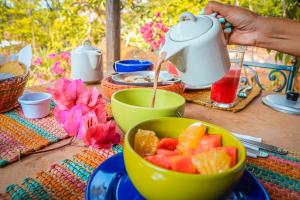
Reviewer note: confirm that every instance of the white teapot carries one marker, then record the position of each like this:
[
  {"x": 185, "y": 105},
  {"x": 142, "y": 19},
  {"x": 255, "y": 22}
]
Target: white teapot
[
  {"x": 197, "y": 47},
  {"x": 86, "y": 62}
]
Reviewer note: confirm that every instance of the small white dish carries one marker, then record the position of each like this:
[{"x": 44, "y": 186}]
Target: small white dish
[{"x": 35, "y": 104}]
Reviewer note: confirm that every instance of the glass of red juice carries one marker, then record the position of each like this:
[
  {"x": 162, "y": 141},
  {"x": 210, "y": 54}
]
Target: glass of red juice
[{"x": 224, "y": 91}]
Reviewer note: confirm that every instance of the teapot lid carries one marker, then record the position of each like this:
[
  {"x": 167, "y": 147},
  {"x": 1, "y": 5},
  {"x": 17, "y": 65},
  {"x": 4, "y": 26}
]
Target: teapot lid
[
  {"x": 86, "y": 46},
  {"x": 190, "y": 27}
]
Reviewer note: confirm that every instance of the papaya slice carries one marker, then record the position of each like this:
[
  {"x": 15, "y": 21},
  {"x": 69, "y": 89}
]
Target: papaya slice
[
  {"x": 182, "y": 163},
  {"x": 189, "y": 139}
]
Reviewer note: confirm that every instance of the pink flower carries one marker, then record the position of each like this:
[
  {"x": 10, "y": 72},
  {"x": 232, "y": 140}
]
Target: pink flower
[
  {"x": 90, "y": 98},
  {"x": 65, "y": 56},
  {"x": 89, "y": 120},
  {"x": 83, "y": 114},
  {"x": 162, "y": 40},
  {"x": 73, "y": 121},
  {"x": 66, "y": 92},
  {"x": 158, "y": 25},
  {"x": 155, "y": 45},
  {"x": 37, "y": 61},
  {"x": 164, "y": 28},
  {"x": 154, "y": 32},
  {"x": 142, "y": 30},
  {"x": 77, "y": 120},
  {"x": 60, "y": 115},
  {"x": 101, "y": 114},
  {"x": 102, "y": 135},
  {"x": 52, "y": 55},
  {"x": 148, "y": 35},
  {"x": 56, "y": 69},
  {"x": 41, "y": 81}
]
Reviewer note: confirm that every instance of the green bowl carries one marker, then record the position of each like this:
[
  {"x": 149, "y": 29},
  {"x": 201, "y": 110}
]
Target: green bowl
[
  {"x": 154, "y": 182},
  {"x": 132, "y": 106}
]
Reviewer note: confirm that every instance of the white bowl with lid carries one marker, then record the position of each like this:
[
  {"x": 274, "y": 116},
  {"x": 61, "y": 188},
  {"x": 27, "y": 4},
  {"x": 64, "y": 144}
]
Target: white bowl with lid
[{"x": 35, "y": 104}]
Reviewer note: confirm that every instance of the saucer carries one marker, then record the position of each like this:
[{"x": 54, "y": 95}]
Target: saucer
[
  {"x": 203, "y": 87},
  {"x": 110, "y": 181},
  {"x": 164, "y": 76}
]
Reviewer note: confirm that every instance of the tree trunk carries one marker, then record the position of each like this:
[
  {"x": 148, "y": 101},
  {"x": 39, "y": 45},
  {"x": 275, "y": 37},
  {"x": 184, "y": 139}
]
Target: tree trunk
[
  {"x": 112, "y": 32},
  {"x": 29, "y": 14},
  {"x": 283, "y": 8},
  {"x": 236, "y": 2},
  {"x": 250, "y": 5}
]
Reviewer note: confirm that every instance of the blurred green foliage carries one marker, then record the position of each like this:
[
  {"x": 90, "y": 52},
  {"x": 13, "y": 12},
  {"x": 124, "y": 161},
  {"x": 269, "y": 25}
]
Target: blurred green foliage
[
  {"x": 50, "y": 24},
  {"x": 61, "y": 25}
]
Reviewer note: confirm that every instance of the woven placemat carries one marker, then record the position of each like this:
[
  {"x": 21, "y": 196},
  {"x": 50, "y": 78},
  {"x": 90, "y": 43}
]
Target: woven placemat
[
  {"x": 67, "y": 180},
  {"x": 202, "y": 97},
  {"x": 20, "y": 135}
]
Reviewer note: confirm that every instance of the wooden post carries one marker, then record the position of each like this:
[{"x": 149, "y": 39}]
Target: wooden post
[{"x": 112, "y": 32}]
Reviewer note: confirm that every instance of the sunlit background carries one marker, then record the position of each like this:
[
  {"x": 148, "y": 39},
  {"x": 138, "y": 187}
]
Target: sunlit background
[{"x": 55, "y": 27}]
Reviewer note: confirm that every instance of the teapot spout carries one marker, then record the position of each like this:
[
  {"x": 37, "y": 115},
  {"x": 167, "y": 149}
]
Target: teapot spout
[
  {"x": 94, "y": 58},
  {"x": 171, "y": 48}
]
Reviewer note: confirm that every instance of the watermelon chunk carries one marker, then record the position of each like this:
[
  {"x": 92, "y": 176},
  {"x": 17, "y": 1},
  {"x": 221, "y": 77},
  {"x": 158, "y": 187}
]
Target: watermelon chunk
[
  {"x": 168, "y": 143},
  {"x": 232, "y": 152},
  {"x": 211, "y": 141},
  {"x": 182, "y": 163},
  {"x": 159, "y": 160},
  {"x": 208, "y": 142},
  {"x": 164, "y": 152}
]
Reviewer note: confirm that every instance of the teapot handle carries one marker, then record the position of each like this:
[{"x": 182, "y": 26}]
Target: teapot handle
[
  {"x": 86, "y": 42},
  {"x": 214, "y": 14},
  {"x": 187, "y": 16},
  {"x": 202, "y": 12}
]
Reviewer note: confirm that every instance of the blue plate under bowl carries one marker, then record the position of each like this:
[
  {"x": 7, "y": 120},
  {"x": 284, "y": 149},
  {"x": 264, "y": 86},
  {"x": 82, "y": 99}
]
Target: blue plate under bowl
[
  {"x": 132, "y": 65},
  {"x": 110, "y": 181}
]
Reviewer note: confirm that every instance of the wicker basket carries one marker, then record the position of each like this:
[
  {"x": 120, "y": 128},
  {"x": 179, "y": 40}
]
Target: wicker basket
[
  {"x": 108, "y": 87},
  {"x": 10, "y": 90}
]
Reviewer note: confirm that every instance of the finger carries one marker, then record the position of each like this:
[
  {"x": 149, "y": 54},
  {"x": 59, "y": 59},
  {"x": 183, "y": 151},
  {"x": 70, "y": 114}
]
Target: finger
[
  {"x": 227, "y": 36},
  {"x": 228, "y": 30},
  {"x": 213, "y": 6}
]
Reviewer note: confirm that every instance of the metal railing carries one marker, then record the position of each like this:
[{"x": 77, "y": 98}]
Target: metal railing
[{"x": 287, "y": 80}]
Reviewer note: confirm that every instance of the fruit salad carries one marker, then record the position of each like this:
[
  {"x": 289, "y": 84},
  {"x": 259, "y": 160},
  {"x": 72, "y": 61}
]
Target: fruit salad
[{"x": 194, "y": 151}]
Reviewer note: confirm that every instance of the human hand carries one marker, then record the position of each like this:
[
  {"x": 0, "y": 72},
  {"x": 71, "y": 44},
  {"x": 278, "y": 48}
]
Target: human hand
[{"x": 244, "y": 22}]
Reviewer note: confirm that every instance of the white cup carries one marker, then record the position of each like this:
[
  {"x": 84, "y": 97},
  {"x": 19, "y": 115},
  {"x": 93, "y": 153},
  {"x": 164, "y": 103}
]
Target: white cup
[{"x": 35, "y": 105}]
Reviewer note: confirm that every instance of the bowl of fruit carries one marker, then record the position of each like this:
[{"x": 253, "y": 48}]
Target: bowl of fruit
[{"x": 180, "y": 158}]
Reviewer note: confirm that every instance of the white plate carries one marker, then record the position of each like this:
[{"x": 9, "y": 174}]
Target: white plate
[{"x": 164, "y": 76}]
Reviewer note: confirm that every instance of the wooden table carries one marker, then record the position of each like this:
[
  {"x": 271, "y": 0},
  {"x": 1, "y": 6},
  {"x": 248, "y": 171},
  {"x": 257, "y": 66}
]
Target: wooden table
[{"x": 258, "y": 120}]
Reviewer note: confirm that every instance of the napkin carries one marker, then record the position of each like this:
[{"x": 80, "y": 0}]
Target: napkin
[
  {"x": 247, "y": 137},
  {"x": 252, "y": 150},
  {"x": 24, "y": 56}
]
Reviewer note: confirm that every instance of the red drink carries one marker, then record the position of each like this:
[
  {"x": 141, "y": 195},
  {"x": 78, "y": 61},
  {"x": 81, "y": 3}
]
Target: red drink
[{"x": 224, "y": 91}]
